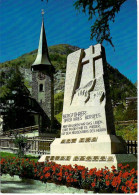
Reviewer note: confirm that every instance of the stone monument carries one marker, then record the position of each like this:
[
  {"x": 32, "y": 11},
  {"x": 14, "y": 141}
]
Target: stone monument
[{"x": 88, "y": 133}]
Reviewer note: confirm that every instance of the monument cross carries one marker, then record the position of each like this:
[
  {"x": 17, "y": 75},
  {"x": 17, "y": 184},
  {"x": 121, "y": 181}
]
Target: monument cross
[
  {"x": 85, "y": 75},
  {"x": 94, "y": 55}
]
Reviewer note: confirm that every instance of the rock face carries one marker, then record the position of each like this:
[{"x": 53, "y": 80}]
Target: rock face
[{"x": 87, "y": 134}]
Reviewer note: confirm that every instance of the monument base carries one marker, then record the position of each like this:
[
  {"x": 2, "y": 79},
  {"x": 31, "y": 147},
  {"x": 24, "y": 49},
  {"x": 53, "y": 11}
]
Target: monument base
[
  {"x": 93, "y": 161},
  {"x": 96, "y": 151}
]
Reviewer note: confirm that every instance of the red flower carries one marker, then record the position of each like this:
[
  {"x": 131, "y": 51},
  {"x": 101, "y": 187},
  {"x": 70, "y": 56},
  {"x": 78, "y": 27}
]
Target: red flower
[
  {"x": 92, "y": 171},
  {"x": 116, "y": 181},
  {"x": 99, "y": 173},
  {"x": 111, "y": 175},
  {"x": 60, "y": 174},
  {"x": 93, "y": 184},
  {"x": 59, "y": 178},
  {"x": 66, "y": 173},
  {"x": 68, "y": 180},
  {"x": 132, "y": 171},
  {"x": 35, "y": 170},
  {"x": 71, "y": 180},
  {"x": 113, "y": 167},
  {"x": 41, "y": 177},
  {"x": 125, "y": 175},
  {"x": 83, "y": 176},
  {"x": 127, "y": 165},
  {"x": 75, "y": 180},
  {"x": 107, "y": 183},
  {"x": 105, "y": 172},
  {"x": 80, "y": 168},
  {"x": 124, "y": 189},
  {"x": 47, "y": 175},
  {"x": 119, "y": 165},
  {"x": 128, "y": 183},
  {"x": 107, "y": 177}
]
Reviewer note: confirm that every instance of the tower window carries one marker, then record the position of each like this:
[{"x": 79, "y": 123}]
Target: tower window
[{"x": 41, "y": 87}]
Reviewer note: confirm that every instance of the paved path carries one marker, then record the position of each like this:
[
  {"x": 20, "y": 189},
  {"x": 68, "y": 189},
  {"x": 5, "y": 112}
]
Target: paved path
[{"x": 28, "y": 186}]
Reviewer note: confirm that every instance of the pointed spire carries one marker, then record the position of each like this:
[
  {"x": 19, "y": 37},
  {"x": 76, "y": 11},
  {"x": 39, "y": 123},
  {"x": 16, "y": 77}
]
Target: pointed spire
[{"x": 42, "y": 60}]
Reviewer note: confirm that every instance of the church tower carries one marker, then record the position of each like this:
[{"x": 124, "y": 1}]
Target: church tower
[{"x": 43, "y": 82}]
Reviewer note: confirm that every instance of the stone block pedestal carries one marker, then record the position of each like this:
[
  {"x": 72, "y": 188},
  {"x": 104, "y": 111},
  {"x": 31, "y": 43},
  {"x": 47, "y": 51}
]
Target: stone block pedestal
[{"x": 95, "y": 151}]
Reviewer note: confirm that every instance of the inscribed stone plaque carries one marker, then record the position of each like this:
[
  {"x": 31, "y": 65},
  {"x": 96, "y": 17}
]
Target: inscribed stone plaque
[{"x": 87, "y": 106}]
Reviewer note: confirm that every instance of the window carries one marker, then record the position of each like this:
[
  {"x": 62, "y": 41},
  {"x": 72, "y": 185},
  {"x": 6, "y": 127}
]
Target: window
[{"x": 41, "y": 87}]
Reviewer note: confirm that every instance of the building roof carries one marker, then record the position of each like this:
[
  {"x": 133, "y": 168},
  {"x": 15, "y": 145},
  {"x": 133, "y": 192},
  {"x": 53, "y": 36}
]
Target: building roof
[{"x": 42, "y": 60}]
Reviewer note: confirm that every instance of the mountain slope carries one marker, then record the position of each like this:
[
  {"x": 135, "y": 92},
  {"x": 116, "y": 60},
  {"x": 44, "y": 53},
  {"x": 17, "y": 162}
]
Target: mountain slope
[
  {"x": 58, "y": 55},
  {"x": 120, "y": 86}
]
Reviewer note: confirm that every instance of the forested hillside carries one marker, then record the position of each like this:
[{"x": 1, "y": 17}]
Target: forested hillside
[{"x": 120, "y": 86}]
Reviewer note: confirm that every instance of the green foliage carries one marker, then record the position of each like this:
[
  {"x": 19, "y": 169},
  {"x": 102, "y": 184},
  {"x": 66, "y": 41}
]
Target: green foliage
[
  {"x": 104, "y": 12},
  {"x": 8, "y": 154},
  {"x": 59, "y": 117},
  {"x": 120, "y": 86},
  {"x": 119, "y": 113},
  {"x": 127, "y": 132},
  {"x": 58, "y": 61},
  {"x": 26, "y": 83},
  {"x": 14, "y": 100},
  {"x": 131, "y": 112},
  {"x": 58, "y": 102},
  {"x": 22, "y": 145}
]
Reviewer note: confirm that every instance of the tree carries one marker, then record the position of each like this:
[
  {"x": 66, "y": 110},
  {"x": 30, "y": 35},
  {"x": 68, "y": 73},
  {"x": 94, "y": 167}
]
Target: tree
[
  {"x": 131, "y": 112},
  {"x": 22, "y": 145},
  {"x": 102, "y": 11},
  {"x": 14, "y": 100}
]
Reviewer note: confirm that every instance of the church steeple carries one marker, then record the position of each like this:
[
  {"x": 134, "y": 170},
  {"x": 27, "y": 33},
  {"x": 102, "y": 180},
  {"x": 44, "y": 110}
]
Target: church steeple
[
  {"x": 42, "y": 60},
  {"x": 43, "y": 83}
]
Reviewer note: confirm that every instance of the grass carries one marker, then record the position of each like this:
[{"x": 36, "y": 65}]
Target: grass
[{"x": 8, "y": 154}]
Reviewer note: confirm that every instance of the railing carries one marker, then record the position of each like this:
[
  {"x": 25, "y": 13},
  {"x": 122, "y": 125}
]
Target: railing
[
  {"x": 131, "y": 147},
  {"x": 37, "y": 146},
  {"x": 22, "y": 130}
]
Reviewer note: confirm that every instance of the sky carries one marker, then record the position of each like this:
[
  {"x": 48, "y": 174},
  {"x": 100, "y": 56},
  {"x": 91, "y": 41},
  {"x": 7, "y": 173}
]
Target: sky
[{"x": 20, "y": 23}]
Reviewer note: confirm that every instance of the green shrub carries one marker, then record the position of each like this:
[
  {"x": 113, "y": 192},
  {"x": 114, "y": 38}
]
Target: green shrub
[{"x": 22, "y": 145}]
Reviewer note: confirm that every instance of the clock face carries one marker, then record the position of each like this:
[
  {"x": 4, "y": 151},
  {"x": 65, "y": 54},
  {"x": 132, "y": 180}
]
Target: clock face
[{"x": 41, "y": 76}]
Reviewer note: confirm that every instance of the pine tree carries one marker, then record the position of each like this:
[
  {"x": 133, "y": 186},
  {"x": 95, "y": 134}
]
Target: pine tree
[{"x": 14, "y": 100}]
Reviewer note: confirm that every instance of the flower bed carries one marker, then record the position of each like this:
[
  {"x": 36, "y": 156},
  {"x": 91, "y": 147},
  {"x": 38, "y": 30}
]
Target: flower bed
[{"x": 103, "y": 180}]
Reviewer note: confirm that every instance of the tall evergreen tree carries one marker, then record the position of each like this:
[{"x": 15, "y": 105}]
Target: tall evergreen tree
[{"x": 14, "y": 100}]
